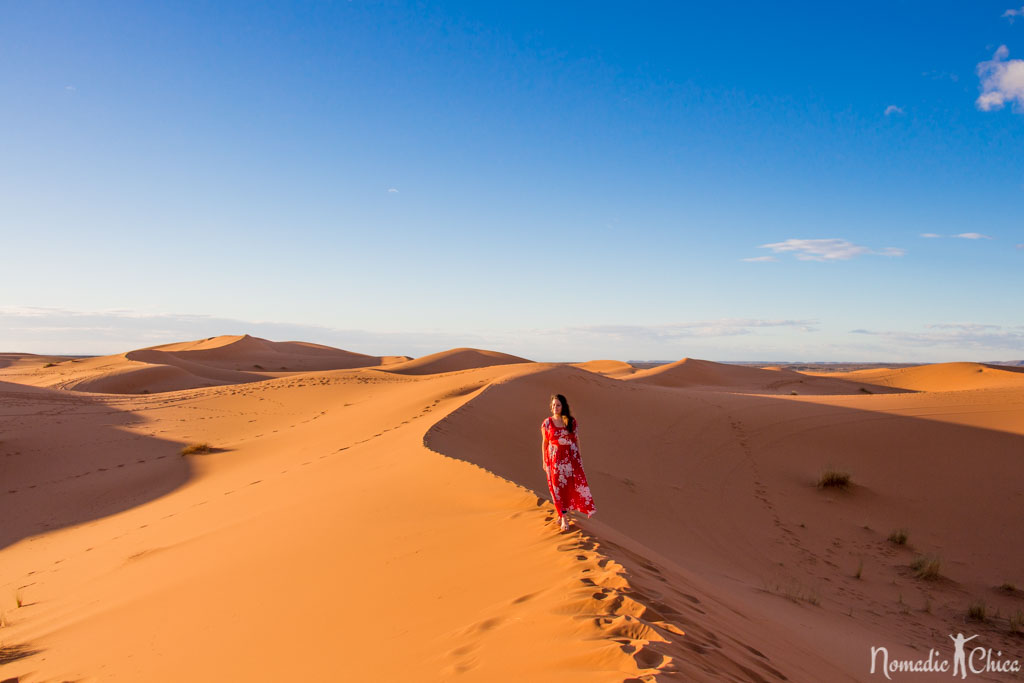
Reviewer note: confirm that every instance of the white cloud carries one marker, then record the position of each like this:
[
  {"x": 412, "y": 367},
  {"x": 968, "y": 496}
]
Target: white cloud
[
  {"x": 391, "y": 189},
  {"x": 69, "y": 88},
  {"x": 963, "y": 235},
  {"x": 725, "y": 327},
  {"x": 1012, "y": 14},
  {"x": 893, "y": 109},
  {"x": 28, "y": 329},
  {"x": 972, "y": 336},
  {"x": 968, "y": 327},
  {"x": 63, "y": 331},
  {"x": 760, "y": 258},
  {"x": 1001, "y": 82},
  {"x": 828, "y": 249}
]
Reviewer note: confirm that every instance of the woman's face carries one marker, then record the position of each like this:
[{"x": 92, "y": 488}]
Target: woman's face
[{"x": 556, "y": 407}]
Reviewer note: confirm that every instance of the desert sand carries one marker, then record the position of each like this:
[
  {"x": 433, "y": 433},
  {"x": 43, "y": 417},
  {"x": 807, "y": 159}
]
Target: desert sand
[{"x": 384, "y": 518}]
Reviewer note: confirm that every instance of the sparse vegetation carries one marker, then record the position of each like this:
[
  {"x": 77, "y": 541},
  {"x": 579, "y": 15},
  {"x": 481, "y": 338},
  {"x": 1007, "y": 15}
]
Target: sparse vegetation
[
  {"x": 976, "y": 611},
  {"x": 196, "y": 448},
  {"x": 1017, "y": 623},
  {"x": 833, "y": 478},
  {"x": 793, "y": 590},
  {"x": 18, "y": 600},
  {"x": 904, "y": 607},
  {"x": 793, "y": 393},
  {"x": 258, "y": 367},
  {"x": 1008, "y": 587},
  {"x": 860, "y": 569},
  {"x": 927, "y": 567},
  {"x": 49, "y": 365},
  {"x": 898, "y": 536},
  {"x": 866, "y": 390}
]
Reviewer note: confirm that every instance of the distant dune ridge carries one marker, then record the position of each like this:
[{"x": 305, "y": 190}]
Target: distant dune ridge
[
  {"x": 385, "y": 518},
  {"x": 693, "y": 372},
  {"x": 453, "y": 360},
  {"x": 227, "y": 359},
  {"x": 938, "y": 377},
  {"x": 610, "y": 368}
]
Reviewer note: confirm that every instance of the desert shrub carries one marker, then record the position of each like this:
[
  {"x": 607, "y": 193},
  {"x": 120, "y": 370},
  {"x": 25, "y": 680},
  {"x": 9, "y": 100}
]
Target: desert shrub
[
  {"x": 831, "y": 477},
  {"x": 898, "y": 536},
  {"x": 927, "y": 566}
]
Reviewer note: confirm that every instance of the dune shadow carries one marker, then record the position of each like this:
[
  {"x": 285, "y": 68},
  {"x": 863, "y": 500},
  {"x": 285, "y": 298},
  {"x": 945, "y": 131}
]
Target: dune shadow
[{"x": 65, "y": 459}]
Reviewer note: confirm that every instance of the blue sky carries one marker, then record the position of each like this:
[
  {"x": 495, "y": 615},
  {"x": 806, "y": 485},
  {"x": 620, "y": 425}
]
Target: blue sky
[{"x": 562, "y": 181}]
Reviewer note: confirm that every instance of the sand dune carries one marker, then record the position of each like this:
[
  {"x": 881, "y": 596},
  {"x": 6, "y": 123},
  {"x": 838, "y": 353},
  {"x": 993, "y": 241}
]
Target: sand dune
[
  {"x": 693, "y": 372},
  {"x": 244, "y": 352},
  {"x": 610, "y": 368},
  {"x": 938, "y": 377},
  {"x": 364, "y": 524},
  {"x": 454, "y": 360},
  {"x": 228, "y": 359}
]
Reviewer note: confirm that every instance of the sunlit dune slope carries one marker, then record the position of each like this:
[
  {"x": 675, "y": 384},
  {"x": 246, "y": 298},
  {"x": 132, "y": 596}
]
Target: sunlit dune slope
[
  {"x": 694, "y": 372},
  {"x": 938, "y": 377},
  {"x": 609, "y": 368},
  {"x": 188, "y": 365},
  {"x": 725, "y": 485},
  {"x": 397, "y": 525},
  {"x": 319, "y": 540},
  {"x": 453, "y": 360}
]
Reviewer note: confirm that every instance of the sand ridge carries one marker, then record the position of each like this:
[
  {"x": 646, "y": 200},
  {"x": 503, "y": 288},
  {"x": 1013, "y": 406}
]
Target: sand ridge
[
  {"x": 939, "y": 377},
  {"x": 226, "y": 359},
  {"x": 454, "y": 360},
  {"x": 694, "y": 373}
]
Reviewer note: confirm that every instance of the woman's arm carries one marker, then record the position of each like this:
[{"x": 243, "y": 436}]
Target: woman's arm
[{"x": 543, "y": 449}]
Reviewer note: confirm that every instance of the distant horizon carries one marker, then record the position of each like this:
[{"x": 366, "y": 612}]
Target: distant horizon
[{"x": 631, "y": 361}]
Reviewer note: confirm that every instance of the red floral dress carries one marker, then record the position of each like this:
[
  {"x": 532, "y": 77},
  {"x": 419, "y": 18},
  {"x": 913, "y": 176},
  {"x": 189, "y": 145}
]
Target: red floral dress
[{"x": 566, "y": 480}]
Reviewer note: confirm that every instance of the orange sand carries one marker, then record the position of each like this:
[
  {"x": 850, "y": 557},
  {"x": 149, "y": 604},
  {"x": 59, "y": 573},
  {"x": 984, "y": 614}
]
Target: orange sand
[{"x": 391, "y": 521}]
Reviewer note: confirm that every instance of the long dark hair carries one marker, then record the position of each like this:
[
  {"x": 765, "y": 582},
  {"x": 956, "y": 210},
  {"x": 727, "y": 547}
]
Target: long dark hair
[{"x": 570, "y": 421}]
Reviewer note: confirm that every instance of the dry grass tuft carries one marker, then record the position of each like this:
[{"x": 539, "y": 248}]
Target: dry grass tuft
[
  {"x": 927, "y": 567},
  {"x": 793, "y": 590},
  {"x": 976, "y": 611},
  {"x": 898, "y": 536},
  {"x": 1017, "y": 623},
  {"x": 831, "y": 477},
  {"x": 196, "y": 448}
]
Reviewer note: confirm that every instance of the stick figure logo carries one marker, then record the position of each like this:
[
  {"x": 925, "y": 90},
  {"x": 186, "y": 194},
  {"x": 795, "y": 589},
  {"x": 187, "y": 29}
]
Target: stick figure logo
[{"x": 959, "y": 661}]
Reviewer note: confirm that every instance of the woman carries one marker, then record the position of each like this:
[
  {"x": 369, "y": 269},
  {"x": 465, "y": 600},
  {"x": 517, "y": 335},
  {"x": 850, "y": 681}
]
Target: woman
[{"x": 560, "y": 457}]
